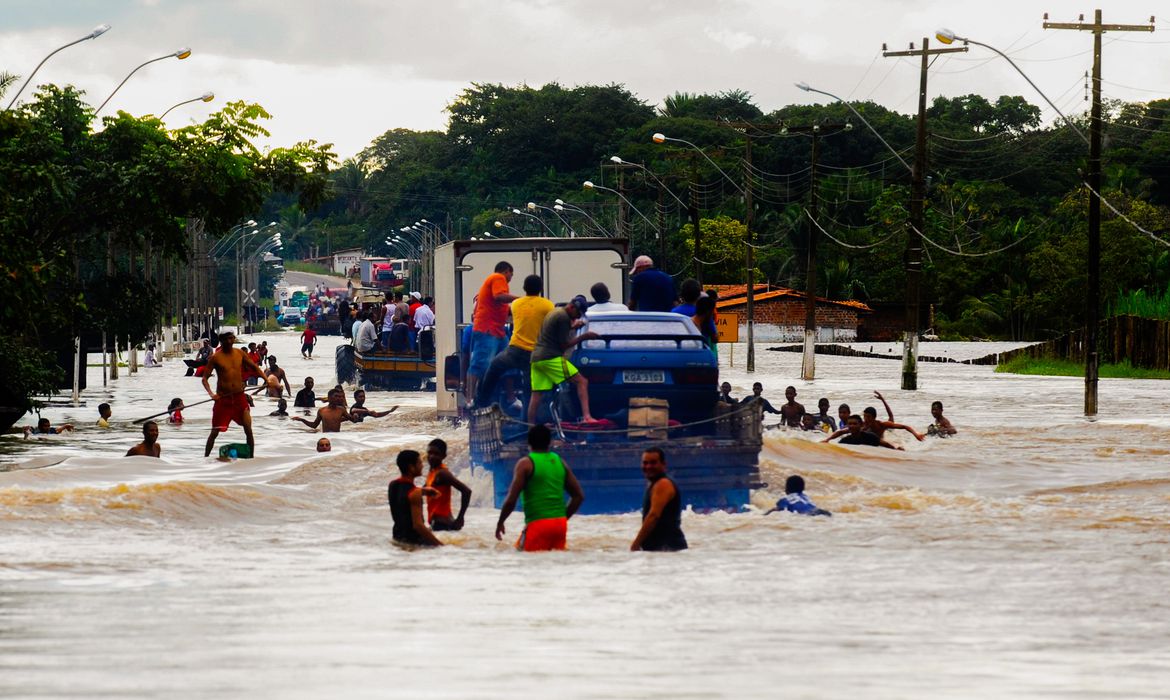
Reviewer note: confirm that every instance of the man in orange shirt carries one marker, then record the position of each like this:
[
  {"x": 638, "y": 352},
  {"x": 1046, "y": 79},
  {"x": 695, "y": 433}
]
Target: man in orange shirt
[
  {"x": 487, "y": 324},
  {"x": 528, "y": 313}
]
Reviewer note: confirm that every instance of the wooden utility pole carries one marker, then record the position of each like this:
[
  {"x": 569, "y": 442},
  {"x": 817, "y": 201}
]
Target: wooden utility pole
[
  {"x": 748, "y": 221},
  {"x": 913, "y": 254},
  {"x": 1093, "y": 293}
]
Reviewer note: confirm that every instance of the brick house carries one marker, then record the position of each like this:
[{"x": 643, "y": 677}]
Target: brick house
[{"x": 779, "y": 314}]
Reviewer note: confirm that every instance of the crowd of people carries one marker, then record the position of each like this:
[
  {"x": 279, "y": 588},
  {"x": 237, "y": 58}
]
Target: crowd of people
[
  {"x": 551, "y": 494},
  {"x": 395, "y": 325},
  {"x": 543, "y": 333},
  {"x": 848, "y": 428}
]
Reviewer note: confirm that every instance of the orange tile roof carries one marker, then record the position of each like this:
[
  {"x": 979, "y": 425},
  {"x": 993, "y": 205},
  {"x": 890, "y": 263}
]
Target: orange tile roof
[{"x": 792, "y": 293}]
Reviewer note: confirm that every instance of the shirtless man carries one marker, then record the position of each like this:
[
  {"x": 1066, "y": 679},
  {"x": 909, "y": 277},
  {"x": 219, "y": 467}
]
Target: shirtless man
[
  {"x": 870, "y": 424},
  {"x": 273, "y": 379},
  {"x": 359, "y": 411},
  {"x": 149, "y": 446},
  {"x": 330, "y": 417},
  {"x": 791, "y": 411},
  {"x": 231, "y": 404},
  {"x": 853, "y": 434}
]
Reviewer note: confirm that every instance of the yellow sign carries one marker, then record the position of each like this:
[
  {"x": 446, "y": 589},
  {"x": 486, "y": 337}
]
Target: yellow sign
[{"x": 727, "y": 326}]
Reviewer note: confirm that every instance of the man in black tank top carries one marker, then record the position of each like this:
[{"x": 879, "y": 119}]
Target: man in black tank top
[
  {"x": 661, "y": 508},
  {"x": 406, "y": 503}
]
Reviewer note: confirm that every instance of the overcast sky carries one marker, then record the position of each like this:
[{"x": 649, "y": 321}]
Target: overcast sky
[{"x": 345, "y": 71}]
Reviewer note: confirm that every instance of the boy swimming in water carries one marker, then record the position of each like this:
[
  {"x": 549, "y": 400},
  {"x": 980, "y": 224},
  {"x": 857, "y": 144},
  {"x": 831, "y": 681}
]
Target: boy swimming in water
[
  {"x": 941, "y": 427},
  {"x": 794, "y": 500}
]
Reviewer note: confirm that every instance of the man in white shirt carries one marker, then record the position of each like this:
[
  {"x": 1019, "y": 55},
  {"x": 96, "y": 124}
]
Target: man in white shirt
[
  {"x": 601, "y": 302},
  {"x": 367, "y": 335},
  {"x": 425, "y": 315}
]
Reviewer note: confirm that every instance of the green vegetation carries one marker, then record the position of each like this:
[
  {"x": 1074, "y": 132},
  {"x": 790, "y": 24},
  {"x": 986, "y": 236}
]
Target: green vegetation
[
  {"x": 301, "y": 266},
  {"x": 1006, "y": 208},
  {"x": 97, "y": 219},
  {"x": 1138, "y": 303},
  {"x": 1067, "y": 368}
]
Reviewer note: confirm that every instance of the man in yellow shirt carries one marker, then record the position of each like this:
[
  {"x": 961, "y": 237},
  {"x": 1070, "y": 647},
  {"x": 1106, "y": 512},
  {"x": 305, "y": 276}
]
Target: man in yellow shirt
[{"x": 528, "y": 314}]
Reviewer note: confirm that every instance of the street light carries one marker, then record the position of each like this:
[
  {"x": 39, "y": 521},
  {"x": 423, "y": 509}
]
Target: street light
[
  {"x": 205, "y": 97},
  {"x": 178, "y": 53},
  {"x": 662, "y": 138},
  {"x": 501, "y": 224},
  {"x": 561, "y": 205},
  {"x": 533, "y": 206},
  {"x": 97, "y": 31},
  {"x": 539, "y": 220},
  {"x": 805, "y": 86},
  {"x": 946, "y": 36},
  {"x": 589, "y": 185}
]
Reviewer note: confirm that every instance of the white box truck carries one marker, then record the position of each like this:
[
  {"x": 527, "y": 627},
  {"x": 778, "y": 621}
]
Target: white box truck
[{"x": 569, "y": 266}]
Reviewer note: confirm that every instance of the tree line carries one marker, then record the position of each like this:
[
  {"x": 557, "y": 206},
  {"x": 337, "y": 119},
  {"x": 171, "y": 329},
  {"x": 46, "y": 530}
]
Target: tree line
[{"x": 1006, "y": 209}]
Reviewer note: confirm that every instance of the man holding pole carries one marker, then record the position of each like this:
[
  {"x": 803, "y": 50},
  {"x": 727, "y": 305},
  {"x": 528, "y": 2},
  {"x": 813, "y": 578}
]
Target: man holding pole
[{"x": 230, "y": 402}]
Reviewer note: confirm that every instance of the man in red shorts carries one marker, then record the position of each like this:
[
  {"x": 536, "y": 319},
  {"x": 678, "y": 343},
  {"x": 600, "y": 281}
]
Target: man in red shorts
[
  {"x": 544, "y": 479},
  {"x": 231, "y": 404}
]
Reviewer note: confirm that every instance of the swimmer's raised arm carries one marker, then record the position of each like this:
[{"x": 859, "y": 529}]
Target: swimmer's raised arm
[{"x": 889, "y": 412}]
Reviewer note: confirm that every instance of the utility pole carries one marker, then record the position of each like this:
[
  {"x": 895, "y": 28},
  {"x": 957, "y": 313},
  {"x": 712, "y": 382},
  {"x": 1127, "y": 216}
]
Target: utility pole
[
  {"x": 1093, "y": 293},
  {"x": 693, "y": 210},
  {"x": 751, "y": 256},
  {"x": 913, "y": 255},
  {"x": 815, "y": 134}
]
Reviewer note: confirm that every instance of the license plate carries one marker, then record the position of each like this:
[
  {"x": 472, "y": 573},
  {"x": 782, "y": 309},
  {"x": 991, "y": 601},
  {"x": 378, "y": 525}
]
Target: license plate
[{"x": 641, "y": 376}]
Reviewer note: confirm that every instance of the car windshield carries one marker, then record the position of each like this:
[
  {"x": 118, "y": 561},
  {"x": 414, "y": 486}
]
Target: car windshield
[{"x": 636, "y": 326}]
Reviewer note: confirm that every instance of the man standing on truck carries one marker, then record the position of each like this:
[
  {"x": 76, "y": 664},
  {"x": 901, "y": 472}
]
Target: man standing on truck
[
  {"x": 544, "y": 479},
  {"x": 487, "y": 323},
  {"x": 651, "y": 289},
  {"x": 549, "y": 366},
  {"x": 528, "y": 314}
]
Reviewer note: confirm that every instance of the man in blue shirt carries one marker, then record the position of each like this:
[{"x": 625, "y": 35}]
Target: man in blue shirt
[{"x": 651, "y": 289}]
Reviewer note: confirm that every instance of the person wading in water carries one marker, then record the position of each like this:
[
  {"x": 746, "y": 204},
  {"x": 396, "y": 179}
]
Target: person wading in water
[{"x": 230, "y": 402}]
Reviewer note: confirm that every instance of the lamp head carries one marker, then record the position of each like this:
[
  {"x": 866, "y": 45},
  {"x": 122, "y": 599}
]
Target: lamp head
[
  {"x": 487, "y": 235},
  {"x": 559, "y": 201},
  {"x": 182, "y": 53},
  {"x": 423, "y": 221},
  {"x": 558, "y": 207},
  {"x": 532, "y": 206},
  {"x": 499, "y": 224},
  {"x": 208, "y": 96},
  {"x": 516, "y": 211},
  {"x": 803, "y": 86},
  {"x": 250, "y": 222},
  {"x": 616, "y": 159},
  {"x": 945, "y": 35},
  {"x": 588, "y": 184},
  {"x": 848, "y": 126},
  {"x": 99, "y": 30},
  {"x": 658, "y": 138}
]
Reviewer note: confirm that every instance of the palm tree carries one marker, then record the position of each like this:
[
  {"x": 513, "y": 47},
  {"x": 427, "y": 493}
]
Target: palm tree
[{"x": 6, "y": 81}]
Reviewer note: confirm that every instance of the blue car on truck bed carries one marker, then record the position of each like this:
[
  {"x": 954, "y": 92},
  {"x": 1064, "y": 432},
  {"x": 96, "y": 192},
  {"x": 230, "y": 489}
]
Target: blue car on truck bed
[{"x": 653, "y": 378}]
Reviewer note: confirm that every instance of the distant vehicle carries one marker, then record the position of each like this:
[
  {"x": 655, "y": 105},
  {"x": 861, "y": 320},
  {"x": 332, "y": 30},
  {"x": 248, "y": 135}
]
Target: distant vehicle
[
  {"x": 291, "y": 316},
  {"x": 385, "y": 273}
]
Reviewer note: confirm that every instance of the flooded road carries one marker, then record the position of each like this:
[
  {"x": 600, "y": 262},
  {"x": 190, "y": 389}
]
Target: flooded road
[{"x": 1025, "y": 557}]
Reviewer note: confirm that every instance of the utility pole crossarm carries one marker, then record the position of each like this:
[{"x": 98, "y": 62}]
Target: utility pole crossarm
[
  {"x": 925, "y": 52},
  {"x": 1086, "y": 27}
]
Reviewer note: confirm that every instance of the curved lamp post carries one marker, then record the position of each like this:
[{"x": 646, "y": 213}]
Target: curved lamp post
[
  {"x": 561, "y": 205},
  {"x": 178, "y": 53},
  {"x": 946, "y": 36},
  {"x": 662, "y": 138},
  {"x": 533, "y": 206},
  {"x": 97, "y": 31},
  {"x": 589, "y": 185},
  {"x": 539, "y": 220},
  {"x": 205, "y": 97},
  {"x": 502, "y": 225}
]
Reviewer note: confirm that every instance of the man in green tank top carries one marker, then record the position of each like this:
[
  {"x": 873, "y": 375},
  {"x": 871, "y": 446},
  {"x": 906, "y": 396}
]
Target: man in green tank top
[{"x": 543, "y": 478}]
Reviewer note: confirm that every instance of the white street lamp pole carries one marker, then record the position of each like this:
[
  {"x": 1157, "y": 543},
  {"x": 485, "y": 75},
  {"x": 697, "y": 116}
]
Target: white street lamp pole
[
  {"x": 179, "y": 54},
  {"x": 97, "y": 31}
]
